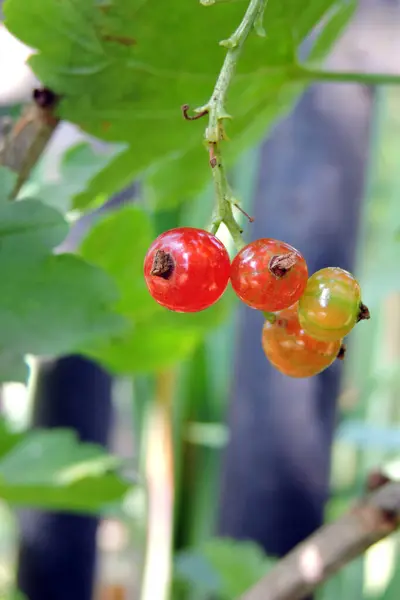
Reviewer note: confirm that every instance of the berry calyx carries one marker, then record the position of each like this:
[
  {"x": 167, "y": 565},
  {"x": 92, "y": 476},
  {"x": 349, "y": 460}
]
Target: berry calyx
[
  {"x": 269, "y": 275},
  {"x": 294, "y": 353},
  {"x": 163, "y": 264},
  {"x": 363, "y": 313},
  {"x": 282, "y": 263},
  {"x": 187, "y": 269},
  {"x": 331, "y": 304}
]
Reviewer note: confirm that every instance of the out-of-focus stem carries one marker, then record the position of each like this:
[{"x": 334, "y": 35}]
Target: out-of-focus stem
[{"x": 160, "y": 493}]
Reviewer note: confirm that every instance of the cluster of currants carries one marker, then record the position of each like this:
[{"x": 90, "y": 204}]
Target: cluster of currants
[{"x": 188, "y": 270}]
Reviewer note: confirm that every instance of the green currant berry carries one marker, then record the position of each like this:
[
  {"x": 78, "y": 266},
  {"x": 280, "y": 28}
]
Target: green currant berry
[{"x": 331, "y": 304}]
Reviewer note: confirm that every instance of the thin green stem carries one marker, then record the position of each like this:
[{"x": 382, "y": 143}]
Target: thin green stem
[
  {"x": 347, "y": 77},
  {"x": 234, "y": 44},
  {"x": 224, "y": 199},
  {"x": 217, "y": 114}
]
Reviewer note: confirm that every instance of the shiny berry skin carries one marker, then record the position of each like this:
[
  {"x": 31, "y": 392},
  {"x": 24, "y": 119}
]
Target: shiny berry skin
[
  {"x": 186, "y": 269},
  {"x": 269, "y": 275},
  {"x": 331, "y": 304},
  {"x": 292, "y": 351}
]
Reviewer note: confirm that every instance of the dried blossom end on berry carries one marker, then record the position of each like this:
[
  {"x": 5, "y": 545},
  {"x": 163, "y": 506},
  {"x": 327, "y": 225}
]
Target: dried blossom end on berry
[
  {"x": 282, "y": 263},
  {"x": 269, "y": 275},
  {"x": 364, "y": 313},
  {"x": 186, "y": 269},
  {"x": 163, "y": 265}
]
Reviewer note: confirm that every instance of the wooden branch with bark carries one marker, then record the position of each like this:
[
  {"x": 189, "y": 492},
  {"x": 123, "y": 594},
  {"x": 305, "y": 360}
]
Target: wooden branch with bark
[
  {"x": 23, "y": 145},
  {"x": 334, "y": 545}
]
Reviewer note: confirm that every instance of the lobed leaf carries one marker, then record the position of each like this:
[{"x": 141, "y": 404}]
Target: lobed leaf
[{"x": 124, "y": 68}]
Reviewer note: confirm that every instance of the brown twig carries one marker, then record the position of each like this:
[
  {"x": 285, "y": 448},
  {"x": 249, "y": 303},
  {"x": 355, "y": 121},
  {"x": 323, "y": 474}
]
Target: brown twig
[
  {"x": 185, "y": 112},
  {"x": 248, "y": 217},
  {"x": 213, "y": 158},
  {"x": 23, "y": 146},
  {"x": 375, "y": 480},
  {"x": 324, "y": 553}
]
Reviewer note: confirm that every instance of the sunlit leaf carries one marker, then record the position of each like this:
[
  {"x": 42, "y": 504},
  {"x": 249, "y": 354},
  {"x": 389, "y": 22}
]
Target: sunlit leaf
[
  {"x": 118, "y": 244},
  {"x": 336, "y": 21},
  {"x": 79, "y": 165},
  {"x": 120, "y": 85}
]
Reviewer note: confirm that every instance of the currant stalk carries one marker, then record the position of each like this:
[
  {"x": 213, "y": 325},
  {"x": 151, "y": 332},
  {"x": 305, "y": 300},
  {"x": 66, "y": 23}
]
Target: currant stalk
[
  {"x": 217, "y": 113},
  {"x": 215, "y": 134}
]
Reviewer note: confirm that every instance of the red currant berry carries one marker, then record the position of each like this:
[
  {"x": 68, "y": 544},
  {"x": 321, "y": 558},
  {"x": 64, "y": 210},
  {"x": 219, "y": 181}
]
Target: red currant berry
[
  {"x": 187, "y": 269},
  {"x": 331, "y": 304},
  {"x": 269, "y": 275},
  {"x": 292, "y": 351}
]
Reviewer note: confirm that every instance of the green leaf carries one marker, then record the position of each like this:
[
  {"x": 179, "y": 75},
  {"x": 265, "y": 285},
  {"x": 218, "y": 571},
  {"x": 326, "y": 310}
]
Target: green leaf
[
  {"x": 158, "y": 341},
  {"x": 177, "y": 178},
  {"x": 113, "y": 177},
  {"x": 147, "y": 346},
  {"x": 337, "y": 20},
  {"x": 119, "y": 85},
  {"x": 53, "y": 305},
  {"x": 29, "y": 229},
  {"x": 50, "y": 304},
  {"x": 79, "y": 165},
  {"x": 118, "y": 244},
  {"x": 223, "y": 566},
  {"x": 194, "y": 569},
  {"x": 201, "y": 321},
  {"x": 13, "y": 367},
  {"x": 13, "y": 595},
  {"x": 8, "y": 438},
  {"x": 53, "y": 470},
  {"x": 7, "y": 181}
]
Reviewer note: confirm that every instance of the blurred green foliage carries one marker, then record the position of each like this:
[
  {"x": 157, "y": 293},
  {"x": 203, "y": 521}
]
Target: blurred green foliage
[
  {"x": 221, "y": 566},
  {"x": 368, "y": 435},
  {"x": 52, "y": 469},
  {"x": 38, "y": 286}
]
